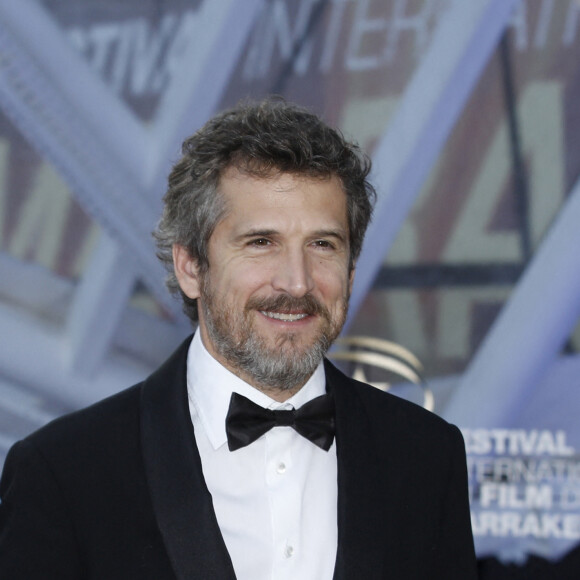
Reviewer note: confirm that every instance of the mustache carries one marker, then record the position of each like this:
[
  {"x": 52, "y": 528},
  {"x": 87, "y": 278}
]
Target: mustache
[{"x": 284, "y": 302}]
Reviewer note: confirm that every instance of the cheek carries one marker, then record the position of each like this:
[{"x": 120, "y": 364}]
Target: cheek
[
  {"x": 333, "y": 284},
  {"x": 239, "y": 284}
]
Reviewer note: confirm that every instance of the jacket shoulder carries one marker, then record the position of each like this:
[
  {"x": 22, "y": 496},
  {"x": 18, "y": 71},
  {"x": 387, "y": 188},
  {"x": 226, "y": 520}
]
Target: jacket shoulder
[
  {"x": 112, "y": 421},
  {"x": 386, "y": 411}
]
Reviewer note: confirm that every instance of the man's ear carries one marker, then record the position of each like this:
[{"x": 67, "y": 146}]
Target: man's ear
[
  {"x": 186, "y": 271},
  {"x": 351, "y": 279}
]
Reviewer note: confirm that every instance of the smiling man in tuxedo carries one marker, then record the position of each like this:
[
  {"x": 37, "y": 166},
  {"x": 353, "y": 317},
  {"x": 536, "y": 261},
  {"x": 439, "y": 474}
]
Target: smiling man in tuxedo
[{"x": 248, "y": 455}]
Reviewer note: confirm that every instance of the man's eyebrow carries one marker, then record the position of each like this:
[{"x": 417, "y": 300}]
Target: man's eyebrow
[
  {"x": 257, "y": 234},
  {"x": 340, "y": 234}
]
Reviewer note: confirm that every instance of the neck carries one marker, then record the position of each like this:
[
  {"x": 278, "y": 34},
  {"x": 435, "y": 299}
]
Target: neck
[{"x": 279, "y": 395}]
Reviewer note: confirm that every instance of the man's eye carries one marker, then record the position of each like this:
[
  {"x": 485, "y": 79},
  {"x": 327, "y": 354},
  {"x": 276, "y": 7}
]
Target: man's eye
[
  {"x": 260, "y": 242},
  {"x": 323, "y": 244}
]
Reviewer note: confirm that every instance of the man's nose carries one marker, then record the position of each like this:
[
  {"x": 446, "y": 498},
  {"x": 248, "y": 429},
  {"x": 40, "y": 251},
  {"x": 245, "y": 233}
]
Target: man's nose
[{"x": 293, "y": 274}]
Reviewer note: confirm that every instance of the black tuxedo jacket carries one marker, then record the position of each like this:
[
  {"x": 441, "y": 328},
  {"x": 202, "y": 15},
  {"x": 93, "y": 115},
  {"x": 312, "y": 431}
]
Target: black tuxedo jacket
[{"x": 116, "y": 491}]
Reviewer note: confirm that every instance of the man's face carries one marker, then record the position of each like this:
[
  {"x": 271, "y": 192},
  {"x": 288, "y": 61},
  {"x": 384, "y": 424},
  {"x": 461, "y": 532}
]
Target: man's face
[{"x": 276, "y": 292}]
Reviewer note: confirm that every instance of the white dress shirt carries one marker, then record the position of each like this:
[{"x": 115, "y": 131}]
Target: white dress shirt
[{"x": 275, "y": 500}]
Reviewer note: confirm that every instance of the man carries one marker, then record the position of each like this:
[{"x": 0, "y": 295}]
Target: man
[{"x": 181, "y": 476}]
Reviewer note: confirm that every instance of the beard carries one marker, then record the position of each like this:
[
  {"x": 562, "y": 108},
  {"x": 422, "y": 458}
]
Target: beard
[{"x": 276, "y": 362}]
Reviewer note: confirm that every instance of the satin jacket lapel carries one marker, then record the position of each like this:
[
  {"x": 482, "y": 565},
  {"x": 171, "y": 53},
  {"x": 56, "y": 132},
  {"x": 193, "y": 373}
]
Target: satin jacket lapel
[
  {"x": 181, "y": 500},
  {"x": 361, "y": 496}
]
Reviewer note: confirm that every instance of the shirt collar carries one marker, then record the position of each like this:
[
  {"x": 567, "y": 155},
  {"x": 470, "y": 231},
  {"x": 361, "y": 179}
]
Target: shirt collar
[{"x": 210, "y": 386}]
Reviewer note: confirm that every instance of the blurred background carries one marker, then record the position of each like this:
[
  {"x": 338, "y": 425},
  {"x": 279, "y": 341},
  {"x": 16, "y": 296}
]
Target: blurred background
[{"x": 470, "y": 112}]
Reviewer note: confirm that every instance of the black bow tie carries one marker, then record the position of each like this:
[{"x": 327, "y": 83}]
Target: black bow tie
[{"x": 246, "y": 421}]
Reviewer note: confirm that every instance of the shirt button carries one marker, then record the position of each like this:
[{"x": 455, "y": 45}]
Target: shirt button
[
  {"x": 281, "y": 468},
  {"x": 289, "y": 551}
]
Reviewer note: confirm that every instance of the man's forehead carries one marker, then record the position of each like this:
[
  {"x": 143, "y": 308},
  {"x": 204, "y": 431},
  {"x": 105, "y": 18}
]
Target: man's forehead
[{"x": 262, "y": 202}]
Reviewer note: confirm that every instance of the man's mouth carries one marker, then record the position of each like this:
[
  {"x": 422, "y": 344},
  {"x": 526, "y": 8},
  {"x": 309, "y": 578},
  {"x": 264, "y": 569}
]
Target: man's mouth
[{"x": 285, "y": 317}]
